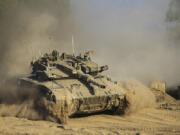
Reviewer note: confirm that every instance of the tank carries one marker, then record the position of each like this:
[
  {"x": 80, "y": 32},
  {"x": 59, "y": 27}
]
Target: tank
[{"x": 76, "y": 83}]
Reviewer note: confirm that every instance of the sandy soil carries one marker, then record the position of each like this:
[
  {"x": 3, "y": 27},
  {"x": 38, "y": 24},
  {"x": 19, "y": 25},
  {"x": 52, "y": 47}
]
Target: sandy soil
[
  {"x": 144, "y": 122},
  {"x": 163, "y": 119}
]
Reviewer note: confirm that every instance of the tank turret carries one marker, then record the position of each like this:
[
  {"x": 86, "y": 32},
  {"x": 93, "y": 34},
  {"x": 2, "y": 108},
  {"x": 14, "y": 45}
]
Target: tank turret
[{"x": 80, "y": 67}]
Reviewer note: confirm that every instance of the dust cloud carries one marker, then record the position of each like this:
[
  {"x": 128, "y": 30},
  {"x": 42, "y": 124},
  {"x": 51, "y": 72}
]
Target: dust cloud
[
  {"x": 138, "y": 96},
  {"x": 28, "y": 103},
  {"x": 28, "y": 29},
  {"x": 15, "y": 101}
]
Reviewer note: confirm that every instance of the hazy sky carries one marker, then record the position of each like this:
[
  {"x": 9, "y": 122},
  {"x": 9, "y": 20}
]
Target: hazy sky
[
  {"x": 109, "y": 17},
  {"x": 129, "y": 35}
]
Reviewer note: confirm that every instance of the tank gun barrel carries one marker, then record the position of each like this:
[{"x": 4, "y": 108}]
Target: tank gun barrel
[
  {"x": 97, "y": 84},
  {"x": 25, "y": 75},
  {"x": 89, "y": 79},
  {"x": 80, "y": 75}
]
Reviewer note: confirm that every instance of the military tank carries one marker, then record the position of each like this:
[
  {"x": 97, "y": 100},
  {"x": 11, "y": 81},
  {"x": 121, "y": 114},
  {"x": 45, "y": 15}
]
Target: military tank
[{"x": 76, "y": 82}]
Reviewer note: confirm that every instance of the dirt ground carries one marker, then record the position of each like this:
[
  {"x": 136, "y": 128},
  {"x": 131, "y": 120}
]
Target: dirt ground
[
  {"x": 161, "y": 119},
  {"x": 144, "y": 122}
]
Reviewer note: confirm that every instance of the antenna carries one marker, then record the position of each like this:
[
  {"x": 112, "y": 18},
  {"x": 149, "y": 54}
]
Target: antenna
[{"x": 73, "y": 49}]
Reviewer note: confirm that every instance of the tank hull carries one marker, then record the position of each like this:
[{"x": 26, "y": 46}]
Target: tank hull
[{"x": 79, "y": 101}]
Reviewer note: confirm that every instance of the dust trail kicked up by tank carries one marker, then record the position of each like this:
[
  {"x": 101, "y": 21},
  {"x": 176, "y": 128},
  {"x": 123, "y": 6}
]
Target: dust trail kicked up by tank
[{"x": 24, "y": 37}]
